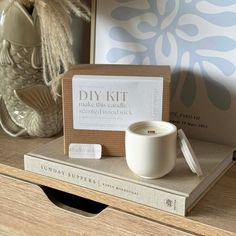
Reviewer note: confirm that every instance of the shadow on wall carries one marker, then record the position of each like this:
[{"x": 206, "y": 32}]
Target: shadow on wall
[
  {"x": 81, "y": 34},
  {"x": 216, "y": 92}
]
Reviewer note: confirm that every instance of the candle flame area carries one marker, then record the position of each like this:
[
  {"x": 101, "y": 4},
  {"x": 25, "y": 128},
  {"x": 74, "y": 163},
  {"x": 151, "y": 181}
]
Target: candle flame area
[{"x": 151, "y": 132}]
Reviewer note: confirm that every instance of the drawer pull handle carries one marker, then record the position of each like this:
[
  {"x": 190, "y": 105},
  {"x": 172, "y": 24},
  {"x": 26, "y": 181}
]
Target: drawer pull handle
[{"x": 74, "y": 203}]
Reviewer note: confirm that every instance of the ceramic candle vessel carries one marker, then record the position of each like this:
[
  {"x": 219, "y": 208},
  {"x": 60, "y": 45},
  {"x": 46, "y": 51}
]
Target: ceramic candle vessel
[{"x": 151, "y": 148}]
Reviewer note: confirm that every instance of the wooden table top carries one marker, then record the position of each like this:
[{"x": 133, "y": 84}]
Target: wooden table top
[{"x": 215, "y": 214}]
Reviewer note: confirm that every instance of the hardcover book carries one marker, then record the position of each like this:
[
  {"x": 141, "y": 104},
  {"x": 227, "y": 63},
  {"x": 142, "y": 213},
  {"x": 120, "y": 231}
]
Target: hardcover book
[{"x": 177, "y": 192}]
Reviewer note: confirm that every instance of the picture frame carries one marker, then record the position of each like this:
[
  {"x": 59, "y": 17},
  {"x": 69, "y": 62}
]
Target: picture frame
[
  {"x": 93, "y": 30},
  {"x": 195, "y": 38}
]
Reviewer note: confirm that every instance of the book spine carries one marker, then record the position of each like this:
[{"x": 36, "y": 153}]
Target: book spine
[{"x": 138, "y": 193}]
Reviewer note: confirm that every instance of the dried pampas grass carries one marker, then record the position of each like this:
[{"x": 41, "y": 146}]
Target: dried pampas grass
[{"x": 55, "y": 19}]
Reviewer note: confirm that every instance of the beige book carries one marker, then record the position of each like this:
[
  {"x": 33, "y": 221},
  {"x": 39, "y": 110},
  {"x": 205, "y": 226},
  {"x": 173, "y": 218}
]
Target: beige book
[{"x": 177, "y": 192}]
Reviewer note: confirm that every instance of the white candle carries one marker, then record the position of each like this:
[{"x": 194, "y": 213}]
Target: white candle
[
  {"x": 150, "y": 148},
  {"x": 152, "y": 128}
]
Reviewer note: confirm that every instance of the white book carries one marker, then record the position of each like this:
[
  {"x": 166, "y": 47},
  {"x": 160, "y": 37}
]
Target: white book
[{"x": 177, "y": 192}]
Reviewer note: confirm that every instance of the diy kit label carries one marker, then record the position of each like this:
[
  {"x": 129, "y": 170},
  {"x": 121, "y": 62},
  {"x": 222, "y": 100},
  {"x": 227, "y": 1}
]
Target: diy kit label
[{"x": 113, "y": 102}]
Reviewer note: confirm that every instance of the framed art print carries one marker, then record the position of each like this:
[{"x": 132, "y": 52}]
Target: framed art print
[{"x": 197, "y": 38}]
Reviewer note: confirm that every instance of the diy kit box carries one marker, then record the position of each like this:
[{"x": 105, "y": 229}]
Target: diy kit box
[{"x": 112, "y": 141}]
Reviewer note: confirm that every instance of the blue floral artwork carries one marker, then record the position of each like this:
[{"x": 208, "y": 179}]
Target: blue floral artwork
[
  {"x": 193, "y": 36},
  {"x": 197, "y": 38}
]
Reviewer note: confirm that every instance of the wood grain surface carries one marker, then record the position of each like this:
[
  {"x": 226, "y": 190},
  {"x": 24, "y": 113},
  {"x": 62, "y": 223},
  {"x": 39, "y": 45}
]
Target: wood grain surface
[{"x": 26, "y": 210}]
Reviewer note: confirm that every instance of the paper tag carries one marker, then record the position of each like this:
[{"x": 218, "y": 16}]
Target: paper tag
[
  {"x": 113, "y": 102},
  {"x": 85, "y": 151}
]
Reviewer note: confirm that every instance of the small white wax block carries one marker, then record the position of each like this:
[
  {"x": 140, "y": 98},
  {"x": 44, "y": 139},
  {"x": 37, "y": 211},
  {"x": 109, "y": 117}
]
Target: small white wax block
[{"x": 85, "y": 151}]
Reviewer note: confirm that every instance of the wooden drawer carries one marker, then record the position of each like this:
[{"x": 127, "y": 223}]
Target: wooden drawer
[{"x": 27, "y": 209}]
